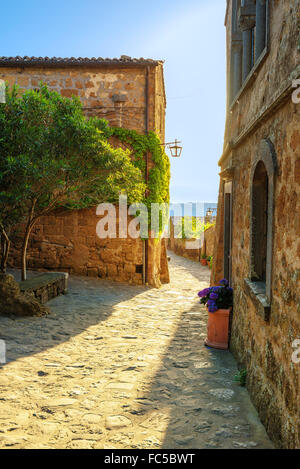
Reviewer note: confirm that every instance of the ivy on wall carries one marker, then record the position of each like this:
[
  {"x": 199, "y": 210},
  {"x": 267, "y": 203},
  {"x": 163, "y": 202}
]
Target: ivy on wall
[{"x": 140, "y": 144}]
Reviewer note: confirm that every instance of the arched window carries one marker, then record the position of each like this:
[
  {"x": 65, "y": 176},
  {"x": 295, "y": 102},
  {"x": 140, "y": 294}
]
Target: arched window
[
  {"x": 260, "y": 185},
  {"x": 262, "y": 207}
]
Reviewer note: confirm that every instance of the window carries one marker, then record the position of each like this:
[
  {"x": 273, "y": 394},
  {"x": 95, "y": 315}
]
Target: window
[
  {"x": 259, "y": 284},
  {"x": 259, "y": 222},
  {"x": 249, "y": 40}
]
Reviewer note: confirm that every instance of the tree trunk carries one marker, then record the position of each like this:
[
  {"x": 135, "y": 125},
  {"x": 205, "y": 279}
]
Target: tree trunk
[
  {"x": 29, "y": 226},
  {"x": 5, "y": 247},
  {"x": 24, "y": 252}
]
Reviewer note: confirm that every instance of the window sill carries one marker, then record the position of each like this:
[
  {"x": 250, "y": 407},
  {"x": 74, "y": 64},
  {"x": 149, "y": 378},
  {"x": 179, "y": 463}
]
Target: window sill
[
  {"x": 251, "y": 77},
  {"x": 257, "y": 293}
]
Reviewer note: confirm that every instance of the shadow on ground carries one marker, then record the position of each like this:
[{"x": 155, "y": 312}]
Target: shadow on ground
[
  {"x": 88, "y": 302},
  {"x": 143, "y": 379},
  {"x": 193, "y": 398}
]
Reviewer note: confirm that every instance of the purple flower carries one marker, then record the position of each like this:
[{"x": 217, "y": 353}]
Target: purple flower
[
  {"x": 212, "y": 307},
  {"x": 213, "y": 296},
  {"x": 225, "y": 282},
  {"x": 216, "y": 289},
  {"x": 204, "y": 292}
]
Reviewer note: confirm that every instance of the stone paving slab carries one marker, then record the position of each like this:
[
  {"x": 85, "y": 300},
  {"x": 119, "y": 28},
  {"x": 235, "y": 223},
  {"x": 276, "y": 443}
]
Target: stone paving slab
[{"x": 117, "y": 366}]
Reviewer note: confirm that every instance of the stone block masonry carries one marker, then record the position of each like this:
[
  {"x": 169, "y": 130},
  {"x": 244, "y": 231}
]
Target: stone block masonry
[
  {"x": 67, "y": 241},
  {"x": 114, "y": 90},
  {"x": 47, "y": 286}
]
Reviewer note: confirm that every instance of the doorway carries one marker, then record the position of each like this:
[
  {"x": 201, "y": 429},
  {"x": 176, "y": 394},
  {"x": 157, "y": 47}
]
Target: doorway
[{"x": 227, "y": 229}]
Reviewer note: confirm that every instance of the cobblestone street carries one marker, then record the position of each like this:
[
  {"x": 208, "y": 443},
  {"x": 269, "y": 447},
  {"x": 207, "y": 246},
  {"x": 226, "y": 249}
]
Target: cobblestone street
[{"x": 117, "y": 366}]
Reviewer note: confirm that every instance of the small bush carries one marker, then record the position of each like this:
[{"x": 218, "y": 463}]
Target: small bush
[{"x": 241, "y": 377}]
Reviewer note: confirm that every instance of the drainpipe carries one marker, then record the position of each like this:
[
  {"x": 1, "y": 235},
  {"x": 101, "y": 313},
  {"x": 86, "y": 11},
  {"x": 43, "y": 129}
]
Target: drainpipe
[{"x": 147, "y": 126}]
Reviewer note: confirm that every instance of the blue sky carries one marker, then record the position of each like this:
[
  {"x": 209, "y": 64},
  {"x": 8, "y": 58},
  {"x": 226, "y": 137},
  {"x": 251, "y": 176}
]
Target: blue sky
[{"x": 188, "y": 34}]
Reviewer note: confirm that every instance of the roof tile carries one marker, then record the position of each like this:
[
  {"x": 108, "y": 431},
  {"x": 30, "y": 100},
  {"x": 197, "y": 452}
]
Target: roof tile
[{"x": 69, "y": 61}]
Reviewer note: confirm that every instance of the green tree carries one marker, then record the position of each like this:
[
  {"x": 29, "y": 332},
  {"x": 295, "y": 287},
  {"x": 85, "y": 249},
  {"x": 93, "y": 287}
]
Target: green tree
[{"x": 53, "y": 156}]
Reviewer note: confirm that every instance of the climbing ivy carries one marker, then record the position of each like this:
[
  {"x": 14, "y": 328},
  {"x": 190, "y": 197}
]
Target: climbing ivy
[
  {"x": 140, "y": 144},
  {"x": 158, "y": 176}
]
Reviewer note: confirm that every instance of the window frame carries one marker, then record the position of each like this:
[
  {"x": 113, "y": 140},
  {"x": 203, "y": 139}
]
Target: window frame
[
  {"x": 261, "y": 292},
  {"x": 257, "y": 65},
  {"x": 259, "y": 222}
]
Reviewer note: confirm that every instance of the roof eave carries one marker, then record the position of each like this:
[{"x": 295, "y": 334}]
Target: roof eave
[{"x": 76, "y": 62}]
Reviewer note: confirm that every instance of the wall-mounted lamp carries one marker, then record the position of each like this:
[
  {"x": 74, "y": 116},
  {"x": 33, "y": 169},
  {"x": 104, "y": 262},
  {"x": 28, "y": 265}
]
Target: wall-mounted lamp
[{"x": 174, "y": 148}]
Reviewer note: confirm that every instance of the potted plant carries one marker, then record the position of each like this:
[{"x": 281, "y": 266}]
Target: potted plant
[
  {"x": 203, "y": 259},
  {"x": 209, "y": 261},
  {"x": 219, "y": 302}
]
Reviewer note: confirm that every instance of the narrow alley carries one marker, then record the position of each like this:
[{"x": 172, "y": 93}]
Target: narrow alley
[{"x": 118, "y": 366}]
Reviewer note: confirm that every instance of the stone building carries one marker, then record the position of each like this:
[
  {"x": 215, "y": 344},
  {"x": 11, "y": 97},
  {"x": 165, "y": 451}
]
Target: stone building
[
  {"x": 129, "y": 93},
  {"x": 258, "y": 224}
]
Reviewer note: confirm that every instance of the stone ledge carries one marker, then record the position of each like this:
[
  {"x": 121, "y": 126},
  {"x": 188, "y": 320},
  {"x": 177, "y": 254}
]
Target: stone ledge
[
  {"x": 251, "y": 77},
  {"x": 256, "y": 291},
  {"x": 46, "y": 286}
]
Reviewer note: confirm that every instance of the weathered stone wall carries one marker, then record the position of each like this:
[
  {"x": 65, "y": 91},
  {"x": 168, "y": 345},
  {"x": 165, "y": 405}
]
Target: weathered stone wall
[
  {"x": 180, "y": 247},
  {"x": 209, "y": 238},
  {"x": 99, "y": 90},
  {"x": 160, "y": 103},
  {"x": 217, "y": 273},
  {"x": 67, "y": 241},
  {"x": 265, "y": 348},
  {"x": 120, "y": 94}
]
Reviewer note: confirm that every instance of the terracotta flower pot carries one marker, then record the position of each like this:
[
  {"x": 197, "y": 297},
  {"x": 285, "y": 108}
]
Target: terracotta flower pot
[
  {"x": 218, "y": 329},
  {"x": 203, "y": 261}
]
